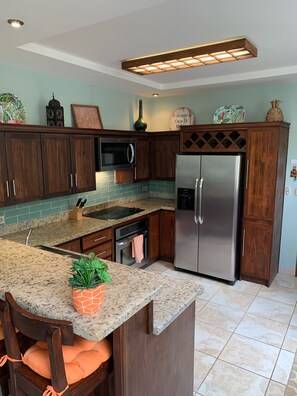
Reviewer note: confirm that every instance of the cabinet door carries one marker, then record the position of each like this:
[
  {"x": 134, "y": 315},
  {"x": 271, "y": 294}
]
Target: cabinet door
[
  {"x": 154, "y": 236},
  {"x": 261, "y": 173},
  {"x": 57, "y": 170},
  {"x": 24, "y": 167},
  {"x": 256, "y": 248},
  {"x": 83, "y": 163},
  {"x": 142, "y": 168},
  {"x": 73, "y": 246},
  {"x": 4, "y": 187},
  {"x": 165, "y": 150},
  {"x": 167, "y": 235}
]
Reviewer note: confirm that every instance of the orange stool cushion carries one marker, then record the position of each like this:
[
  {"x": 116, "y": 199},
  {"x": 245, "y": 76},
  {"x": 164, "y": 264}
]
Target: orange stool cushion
[{"x": 81, "y": 359}]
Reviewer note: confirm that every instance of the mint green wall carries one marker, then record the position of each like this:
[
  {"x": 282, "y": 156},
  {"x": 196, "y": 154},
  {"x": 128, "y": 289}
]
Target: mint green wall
[
  {"x": 255, "y": 99},
  {"x": 119, "y": 111}
]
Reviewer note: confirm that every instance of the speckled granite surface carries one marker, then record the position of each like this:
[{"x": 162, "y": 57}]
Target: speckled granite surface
[
  {"x": 66, "y": 230},
  {"x": 38, "y": 281}
]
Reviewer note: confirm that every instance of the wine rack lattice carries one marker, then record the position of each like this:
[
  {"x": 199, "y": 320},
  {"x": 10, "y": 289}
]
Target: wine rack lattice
[{"x": 214, "y": 141}]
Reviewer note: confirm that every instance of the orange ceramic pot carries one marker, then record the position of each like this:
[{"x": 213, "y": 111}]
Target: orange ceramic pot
[{"x": 88, "y": 301}]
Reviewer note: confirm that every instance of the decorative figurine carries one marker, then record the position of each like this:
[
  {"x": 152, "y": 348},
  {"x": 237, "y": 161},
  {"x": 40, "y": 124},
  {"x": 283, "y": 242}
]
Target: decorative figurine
[{"x": 54, "y": 113}]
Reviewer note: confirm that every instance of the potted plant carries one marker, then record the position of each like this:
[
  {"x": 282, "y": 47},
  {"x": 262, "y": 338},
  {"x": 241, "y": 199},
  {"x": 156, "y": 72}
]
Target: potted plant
[{"x": 88, "y": 278}]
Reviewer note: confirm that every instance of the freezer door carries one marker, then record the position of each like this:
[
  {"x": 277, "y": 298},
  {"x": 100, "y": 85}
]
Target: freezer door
[
  {"x": 186, "y": 230},
  {"x": 219, "y": 217}
]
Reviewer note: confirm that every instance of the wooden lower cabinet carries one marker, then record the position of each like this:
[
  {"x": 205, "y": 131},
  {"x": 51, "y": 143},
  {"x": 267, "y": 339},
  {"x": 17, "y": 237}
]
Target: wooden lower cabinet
[
  {"x": 154, "y": 236},
  {"x": 167, "y": 235},
  {"x": 100, "y": 242},
  {"x": 257, "y": 260},
  {"x": 151, "y": 365},
  {"x": 73, "y": 246}
]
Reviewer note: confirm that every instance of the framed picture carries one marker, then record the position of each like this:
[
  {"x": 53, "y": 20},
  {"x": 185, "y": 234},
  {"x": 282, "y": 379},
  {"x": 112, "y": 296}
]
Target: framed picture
[{"x": 86, "y": 116}]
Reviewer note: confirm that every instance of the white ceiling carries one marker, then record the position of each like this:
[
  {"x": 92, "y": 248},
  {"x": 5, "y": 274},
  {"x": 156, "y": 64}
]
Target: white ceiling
[{"x": 87, "y": 40}]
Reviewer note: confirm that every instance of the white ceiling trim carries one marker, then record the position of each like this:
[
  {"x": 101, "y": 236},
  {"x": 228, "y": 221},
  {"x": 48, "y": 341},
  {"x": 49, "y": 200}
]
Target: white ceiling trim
[
  {"x": 74, "y": 60},
  {"x": 202, "y": 82}
]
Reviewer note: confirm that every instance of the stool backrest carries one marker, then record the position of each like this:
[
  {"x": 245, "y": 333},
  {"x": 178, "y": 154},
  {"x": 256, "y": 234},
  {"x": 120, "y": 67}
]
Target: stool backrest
[{"x": 53, "y": 332}]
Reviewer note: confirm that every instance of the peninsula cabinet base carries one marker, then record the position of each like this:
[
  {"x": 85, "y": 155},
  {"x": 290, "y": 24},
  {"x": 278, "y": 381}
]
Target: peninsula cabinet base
[{"x": 149, "y": 365}]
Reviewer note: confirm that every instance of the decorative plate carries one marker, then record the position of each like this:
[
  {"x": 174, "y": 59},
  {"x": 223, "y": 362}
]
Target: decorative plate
[
  {"x": 229, "y": 114},
  {"x": 12, "y": 109},
  {"x": 181, "y": 116}
]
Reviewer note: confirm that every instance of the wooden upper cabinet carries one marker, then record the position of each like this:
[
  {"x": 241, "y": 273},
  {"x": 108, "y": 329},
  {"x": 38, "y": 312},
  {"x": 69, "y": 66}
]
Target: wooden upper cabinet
[
  {"x": 143, "y": 156},
  {"x": 261, "y": 173},
  {"x": 83, "y": 163},
  {"x": 24, "y": 167},
  {"x": 57, "y": 169},
  {"x": 4, "y": 186},
  {"x": 165, "y": 148},
  {"x": 68, "y": 164}
]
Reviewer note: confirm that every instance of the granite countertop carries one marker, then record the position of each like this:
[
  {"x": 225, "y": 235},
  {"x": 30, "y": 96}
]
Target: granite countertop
[
  {"x": 38, "y": 281},
  {"x": 62, "y": 231}
]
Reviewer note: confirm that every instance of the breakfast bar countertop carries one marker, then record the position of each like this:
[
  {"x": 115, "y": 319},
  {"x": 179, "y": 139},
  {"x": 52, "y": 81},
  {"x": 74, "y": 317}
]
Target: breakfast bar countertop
[
  {"x": 38, "y": 281},
  {"x": 55, "y": 233}
]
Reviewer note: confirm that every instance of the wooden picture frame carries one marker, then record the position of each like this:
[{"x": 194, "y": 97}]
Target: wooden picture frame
[{"x": 86, "y": 116}]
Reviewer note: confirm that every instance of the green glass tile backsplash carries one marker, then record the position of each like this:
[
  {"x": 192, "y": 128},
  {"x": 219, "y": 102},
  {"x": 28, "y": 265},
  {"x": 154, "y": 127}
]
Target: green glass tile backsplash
[{"x": 106, "y": 190}]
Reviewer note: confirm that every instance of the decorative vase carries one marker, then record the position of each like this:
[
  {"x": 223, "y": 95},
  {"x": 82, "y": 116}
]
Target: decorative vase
[
  {"x": 275, "y": 113},
  {"x": 140, "y": 124},
  {"x": 88, "y": 301}
]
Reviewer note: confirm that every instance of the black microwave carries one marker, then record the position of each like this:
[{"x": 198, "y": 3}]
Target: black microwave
[{"x": 114, "y": 153}]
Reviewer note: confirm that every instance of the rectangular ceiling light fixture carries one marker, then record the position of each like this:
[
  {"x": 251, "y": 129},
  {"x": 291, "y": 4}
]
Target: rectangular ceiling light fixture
[{"x": 209, "y": 54}]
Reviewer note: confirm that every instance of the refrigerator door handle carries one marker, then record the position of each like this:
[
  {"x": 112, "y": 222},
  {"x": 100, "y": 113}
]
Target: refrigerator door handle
[
  {"x": 200, "y": 217},
  {"x": 195, "y": 204}
]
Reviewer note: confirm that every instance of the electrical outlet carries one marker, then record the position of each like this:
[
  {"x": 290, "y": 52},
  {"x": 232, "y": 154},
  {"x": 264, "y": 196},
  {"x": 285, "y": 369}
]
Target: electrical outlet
[
  {"x": 288, "y": 190},
  {"x": 2, "y": 219}
]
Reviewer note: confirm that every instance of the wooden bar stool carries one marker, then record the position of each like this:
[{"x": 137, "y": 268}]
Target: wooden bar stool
[
  {"x": 46, "y": 368},
  {"x": 4, "y": 375}
]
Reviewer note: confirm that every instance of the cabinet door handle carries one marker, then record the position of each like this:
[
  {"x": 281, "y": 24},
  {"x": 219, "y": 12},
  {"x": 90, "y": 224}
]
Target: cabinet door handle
[
  {"x": 7, "y": 188},
  {"x": 135, "y": 173},
  {"x": 75, "y": 177},
  {"x": 99, "y": 239},
  {"x": 100, "y": 254},
  {"x": 71, "y": 180},
  {"x": 247, "y": 174},
  {"x": 13, "y": 187},
  {"x": 243, "y": 243}
]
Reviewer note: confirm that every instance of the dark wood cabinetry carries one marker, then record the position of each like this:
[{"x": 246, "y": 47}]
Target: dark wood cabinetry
[
  {"x": 167, "y": 235},
  {"x": 20, "y": 168},
  {"x": 4, "y": 186},
  {"x": 68, "y": 164},
  {"x": 165, "y": 146},
  {"x": 73, "y": 246},
  {"x": 154, "y": 236},
  {"x": 100, "y": 243},
  {"x": 263, "y": 203}
]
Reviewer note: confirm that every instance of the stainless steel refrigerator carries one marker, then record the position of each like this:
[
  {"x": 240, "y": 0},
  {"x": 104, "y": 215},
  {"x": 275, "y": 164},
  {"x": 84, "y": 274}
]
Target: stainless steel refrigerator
[{"x": 207, "y": 214}]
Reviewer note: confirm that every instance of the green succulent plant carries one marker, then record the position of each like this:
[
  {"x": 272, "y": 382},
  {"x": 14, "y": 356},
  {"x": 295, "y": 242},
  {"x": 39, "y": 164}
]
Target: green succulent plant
[{"x": 88, "y": 272}]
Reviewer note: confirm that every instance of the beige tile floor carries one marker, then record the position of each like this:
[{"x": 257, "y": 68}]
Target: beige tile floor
[{"x": 246, "y": 335}]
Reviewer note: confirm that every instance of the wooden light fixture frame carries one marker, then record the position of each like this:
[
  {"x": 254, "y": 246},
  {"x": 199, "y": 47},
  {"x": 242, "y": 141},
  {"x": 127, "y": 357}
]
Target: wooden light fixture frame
[{"x": 220, "y": 52}]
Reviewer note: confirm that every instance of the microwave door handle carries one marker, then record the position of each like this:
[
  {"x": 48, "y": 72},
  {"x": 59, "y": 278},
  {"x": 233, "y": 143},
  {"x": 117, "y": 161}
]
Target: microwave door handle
[{"x": 130, "y": 148}]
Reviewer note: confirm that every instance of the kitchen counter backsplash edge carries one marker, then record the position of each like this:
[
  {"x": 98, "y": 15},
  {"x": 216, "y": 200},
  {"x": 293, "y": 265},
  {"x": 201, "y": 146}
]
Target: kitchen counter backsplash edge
[
  {"x": 63, "y": 216},
  {"x": 66, "y": 230}
]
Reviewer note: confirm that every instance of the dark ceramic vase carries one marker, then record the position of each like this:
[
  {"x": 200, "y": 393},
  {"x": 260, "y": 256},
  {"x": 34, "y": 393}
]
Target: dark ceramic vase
[{"x": 140, "y": 124}]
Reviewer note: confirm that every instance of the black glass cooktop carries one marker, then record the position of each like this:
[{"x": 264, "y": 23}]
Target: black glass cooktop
[{"x": 114, "y": 213}]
